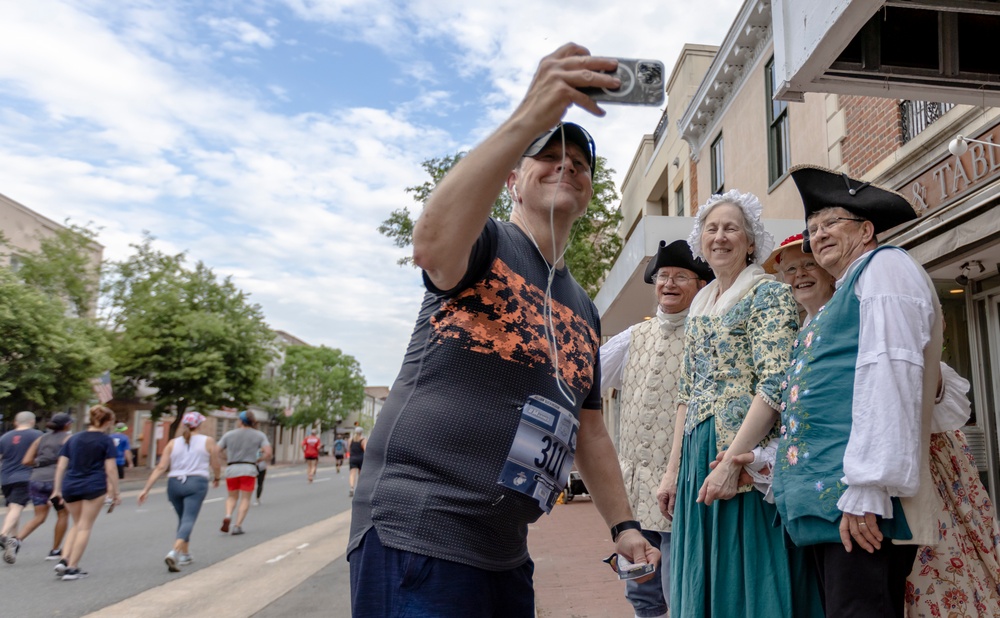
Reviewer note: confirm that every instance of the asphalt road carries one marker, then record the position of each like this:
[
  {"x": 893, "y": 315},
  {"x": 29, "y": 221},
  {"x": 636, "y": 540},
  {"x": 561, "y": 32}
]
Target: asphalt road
[{"x": 295, "y": 538}]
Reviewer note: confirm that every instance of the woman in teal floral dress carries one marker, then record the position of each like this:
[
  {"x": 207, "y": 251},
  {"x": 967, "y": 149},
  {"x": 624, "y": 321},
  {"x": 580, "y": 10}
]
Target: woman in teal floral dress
[{"x": 727, "y": 558}]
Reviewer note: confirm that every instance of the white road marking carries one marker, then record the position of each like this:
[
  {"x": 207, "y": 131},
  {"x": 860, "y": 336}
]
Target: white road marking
[
  {"x": 213, "y": 500},
  {"x": 303, "y": 546},
  {"x": 321, "y": 480},
  {"x": 277, "y": 558}
]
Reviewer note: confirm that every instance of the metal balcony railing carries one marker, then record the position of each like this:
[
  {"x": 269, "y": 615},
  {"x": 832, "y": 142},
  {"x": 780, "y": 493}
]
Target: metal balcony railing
[
  {"x": 661, "y": 128},
  {"x": 918, "y": 115}
]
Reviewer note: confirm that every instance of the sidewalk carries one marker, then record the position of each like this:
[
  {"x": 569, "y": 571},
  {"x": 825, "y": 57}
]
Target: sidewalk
[{"x": 568, "y": 546}]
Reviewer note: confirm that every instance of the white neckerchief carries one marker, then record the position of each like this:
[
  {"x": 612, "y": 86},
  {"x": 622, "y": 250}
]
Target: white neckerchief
[
  {"x": 671, "y": 320},
  {"x": 710, "y": 302}
]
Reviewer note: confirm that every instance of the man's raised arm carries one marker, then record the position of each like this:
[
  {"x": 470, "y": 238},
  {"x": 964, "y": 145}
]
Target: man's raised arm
[{"x": 456, "y": 211}]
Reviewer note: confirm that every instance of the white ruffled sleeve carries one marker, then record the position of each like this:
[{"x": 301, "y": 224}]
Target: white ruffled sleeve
[
  {"x": 614, "y": 355},
  {"x": 953, "y": 409},
  {"x": 882, "y": 458}
]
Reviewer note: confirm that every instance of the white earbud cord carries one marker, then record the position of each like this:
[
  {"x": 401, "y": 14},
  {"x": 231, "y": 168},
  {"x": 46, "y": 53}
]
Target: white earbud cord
[{"x": 548, "y": 322}]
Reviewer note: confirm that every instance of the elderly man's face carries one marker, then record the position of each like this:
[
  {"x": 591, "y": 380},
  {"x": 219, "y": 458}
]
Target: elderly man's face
[
  {"x": 676, "y": 288},
  {"x": 838, "y": 237}
]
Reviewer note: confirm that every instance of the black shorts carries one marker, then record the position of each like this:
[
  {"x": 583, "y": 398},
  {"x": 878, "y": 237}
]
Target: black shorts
[
  {"x": 356, "y": 463},
  {"x": 339, "y": 458},
  {"x": 87, "y": 496},
  {"x": 121, "y": 471},
  {"x": 312, "y": 458},
  {"x": 16, "y": 493}
]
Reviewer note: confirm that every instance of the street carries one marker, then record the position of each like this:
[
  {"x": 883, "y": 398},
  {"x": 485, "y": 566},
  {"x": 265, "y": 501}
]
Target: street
[{"x": 294, "y": 541}]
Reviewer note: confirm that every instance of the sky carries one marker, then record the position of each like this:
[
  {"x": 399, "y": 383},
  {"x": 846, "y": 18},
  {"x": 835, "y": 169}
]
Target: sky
[{"x": 268, "y": 139}]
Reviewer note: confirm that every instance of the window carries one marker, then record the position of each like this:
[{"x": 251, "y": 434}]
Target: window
[
  {"x": 718, "y": 167},
  {"x": 778, "y": 150},
  {"x": 679, "y": 199}
]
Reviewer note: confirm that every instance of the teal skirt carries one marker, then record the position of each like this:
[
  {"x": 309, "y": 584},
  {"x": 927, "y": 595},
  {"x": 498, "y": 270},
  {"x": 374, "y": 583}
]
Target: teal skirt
[{"x": 730, "y": 559}]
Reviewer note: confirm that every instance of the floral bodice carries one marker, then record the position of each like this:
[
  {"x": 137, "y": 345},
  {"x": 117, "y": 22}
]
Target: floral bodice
[{"x": 730, "y": 358}]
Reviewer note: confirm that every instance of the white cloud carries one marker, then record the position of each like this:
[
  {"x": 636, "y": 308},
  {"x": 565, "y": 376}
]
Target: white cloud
[
  {"x": 244, "y": 33},
  {"x": 118, "y": 113}
]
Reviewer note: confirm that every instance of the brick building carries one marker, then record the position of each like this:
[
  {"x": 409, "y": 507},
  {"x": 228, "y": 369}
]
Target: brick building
[{"x": 737, "y": 134}]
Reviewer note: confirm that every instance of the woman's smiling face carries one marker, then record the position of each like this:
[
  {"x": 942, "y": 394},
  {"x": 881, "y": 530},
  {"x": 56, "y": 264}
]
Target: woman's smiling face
[{"x": 724, "y": 240}]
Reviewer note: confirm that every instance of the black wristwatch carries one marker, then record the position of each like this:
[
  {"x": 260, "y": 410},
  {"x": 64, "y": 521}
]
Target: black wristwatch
[{"x": 628, "y": 524}]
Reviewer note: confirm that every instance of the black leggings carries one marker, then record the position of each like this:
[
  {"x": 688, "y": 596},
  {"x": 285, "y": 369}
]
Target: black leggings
[{"x": 260, "y": 481}]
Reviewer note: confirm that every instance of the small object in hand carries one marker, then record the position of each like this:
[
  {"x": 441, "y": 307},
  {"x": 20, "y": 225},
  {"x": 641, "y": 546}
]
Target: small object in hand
[
  {"x": 111, "y": 506},
  {"x": 57, "y": 503},
  {"x": 627, "y": 570}
]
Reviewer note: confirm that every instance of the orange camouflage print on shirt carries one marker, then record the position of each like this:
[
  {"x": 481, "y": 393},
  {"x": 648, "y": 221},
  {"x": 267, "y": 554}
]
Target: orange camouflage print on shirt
[{"x": 503, "y": 315}]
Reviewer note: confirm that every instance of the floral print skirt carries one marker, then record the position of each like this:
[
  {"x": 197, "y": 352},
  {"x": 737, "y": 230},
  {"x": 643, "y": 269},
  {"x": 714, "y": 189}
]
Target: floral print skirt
[{"x": 960, "y": 576}]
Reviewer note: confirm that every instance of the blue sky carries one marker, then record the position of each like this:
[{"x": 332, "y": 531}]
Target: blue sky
[{"x": 269, "y": 139}]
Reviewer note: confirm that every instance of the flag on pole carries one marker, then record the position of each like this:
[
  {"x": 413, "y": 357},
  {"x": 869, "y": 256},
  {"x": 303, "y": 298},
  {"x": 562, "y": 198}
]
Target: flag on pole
[{"x": 102, "y": 387}]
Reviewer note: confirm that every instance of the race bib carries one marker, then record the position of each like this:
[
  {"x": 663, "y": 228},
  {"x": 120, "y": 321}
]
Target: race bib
[{"x": 541, "y": 456}]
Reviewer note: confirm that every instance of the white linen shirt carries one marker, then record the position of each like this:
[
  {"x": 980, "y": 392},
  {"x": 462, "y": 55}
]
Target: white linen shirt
[{"x": 882, "y": 459}]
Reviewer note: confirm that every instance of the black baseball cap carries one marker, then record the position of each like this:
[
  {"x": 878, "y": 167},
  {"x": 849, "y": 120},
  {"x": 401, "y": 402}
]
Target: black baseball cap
[{"x": 574, "y": 133}]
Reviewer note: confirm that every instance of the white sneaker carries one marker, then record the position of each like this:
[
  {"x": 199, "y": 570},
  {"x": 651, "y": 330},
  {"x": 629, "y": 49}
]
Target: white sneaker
[
  {"x": 60, "y": 568},
  {"x": 72, "y": 574},
  {"x": 10, "y": 548},
  {"x": 171, "y": 561},
  {"x": 184, "y": 560}
]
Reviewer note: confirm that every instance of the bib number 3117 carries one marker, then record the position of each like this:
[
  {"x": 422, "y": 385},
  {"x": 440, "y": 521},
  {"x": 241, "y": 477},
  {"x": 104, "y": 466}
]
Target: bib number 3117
[{"x": 541, "y": 456}]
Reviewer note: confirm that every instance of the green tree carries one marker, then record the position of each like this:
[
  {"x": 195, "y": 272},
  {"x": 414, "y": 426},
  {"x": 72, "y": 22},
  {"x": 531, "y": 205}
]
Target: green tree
[
  {"x": 64, "y": 267},
  {"x": 47, "y": 358},
  {"x": 322, "y": 384},
  {"x": 594, "y": 244},
  {"x": 197, "y": 339}
]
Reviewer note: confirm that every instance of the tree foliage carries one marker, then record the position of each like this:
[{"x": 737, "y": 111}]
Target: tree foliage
[
  {"x": 63, "y": 267},
  {"x": 322, "y": 384},
  {"x": 594, "y": 243},
  {"x": 197, "y": 339},
  {"x": 47, "y": 354}
]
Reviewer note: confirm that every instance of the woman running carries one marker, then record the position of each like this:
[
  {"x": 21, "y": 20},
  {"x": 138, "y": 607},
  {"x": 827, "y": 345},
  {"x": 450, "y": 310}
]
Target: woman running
[
  {"x": 190, "y": 459},
  {"x": 84, "y": 473},
  {"x": 43, "y": 454}
]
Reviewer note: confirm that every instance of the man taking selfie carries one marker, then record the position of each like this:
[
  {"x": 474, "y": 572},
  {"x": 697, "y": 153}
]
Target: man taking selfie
[{"x": 501, "y": 379}]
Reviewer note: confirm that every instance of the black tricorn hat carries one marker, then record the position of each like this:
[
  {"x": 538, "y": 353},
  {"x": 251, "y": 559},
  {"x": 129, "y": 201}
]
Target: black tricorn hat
[
  {"x": 678, "y": 255},
  {"x": 821, "y": 188}
]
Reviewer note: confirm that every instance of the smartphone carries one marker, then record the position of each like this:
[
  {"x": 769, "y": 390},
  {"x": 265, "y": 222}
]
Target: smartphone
[
  {"x": 642, "y": 84},
  {"x": 636, "y": 571},
  {"x": 111, "y": 506},
  {"x": 57, "y": 503}
]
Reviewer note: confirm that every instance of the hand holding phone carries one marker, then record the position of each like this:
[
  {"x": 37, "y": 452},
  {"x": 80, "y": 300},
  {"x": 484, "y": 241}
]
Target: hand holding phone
[
  {"x": 626, "y": 570},
  {"x": 57, "y": 503},
  {"x": 641, "y": 84}
]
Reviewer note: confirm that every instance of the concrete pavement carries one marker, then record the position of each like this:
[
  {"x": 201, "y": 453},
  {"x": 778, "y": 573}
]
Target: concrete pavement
[{"x": 304, "y": 572}]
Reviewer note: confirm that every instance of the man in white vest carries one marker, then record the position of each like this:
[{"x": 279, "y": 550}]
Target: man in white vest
[{"x": 644, "y": 363}]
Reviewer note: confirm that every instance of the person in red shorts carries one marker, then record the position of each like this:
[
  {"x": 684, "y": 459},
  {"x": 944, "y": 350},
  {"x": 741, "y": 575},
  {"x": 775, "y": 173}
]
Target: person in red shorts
[
  {"x": 242, "y": 447},
  {"x": 310, "y": 448}
]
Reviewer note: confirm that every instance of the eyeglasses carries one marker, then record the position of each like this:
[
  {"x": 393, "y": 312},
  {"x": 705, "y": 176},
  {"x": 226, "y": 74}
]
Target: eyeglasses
[
  {"x": 829, "y": 224},
  {"x": 805, "y": 267},
  {"x": 678, "y": 279}
]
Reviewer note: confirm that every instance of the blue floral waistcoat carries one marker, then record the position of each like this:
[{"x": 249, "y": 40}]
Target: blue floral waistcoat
[{"x": 816, "y": 414}]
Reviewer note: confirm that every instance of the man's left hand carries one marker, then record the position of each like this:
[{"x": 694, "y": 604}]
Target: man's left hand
[
  {"x": 863, "y": 529},
  {"x": 637, "y": 549}
]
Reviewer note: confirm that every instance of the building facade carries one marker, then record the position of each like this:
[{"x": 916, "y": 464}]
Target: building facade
[{"x": 740, "y": 134}]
